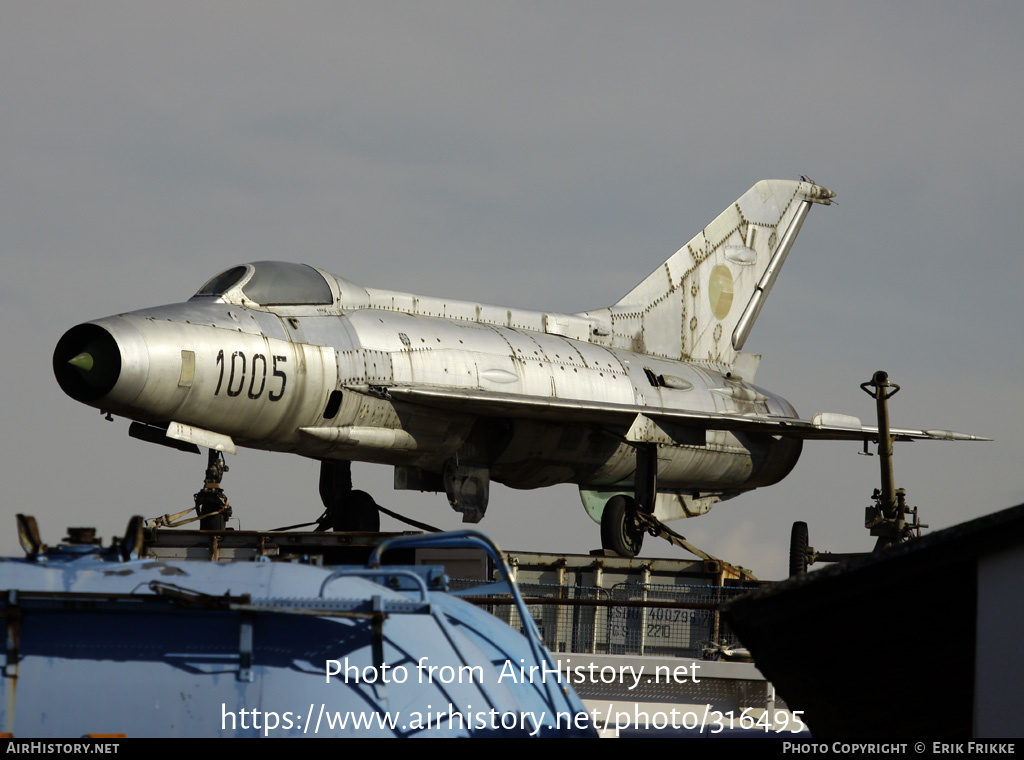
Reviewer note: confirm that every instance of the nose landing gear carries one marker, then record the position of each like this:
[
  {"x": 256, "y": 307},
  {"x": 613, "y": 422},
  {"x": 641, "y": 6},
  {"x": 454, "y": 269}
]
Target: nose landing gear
[{"x": 211, "y": 502}]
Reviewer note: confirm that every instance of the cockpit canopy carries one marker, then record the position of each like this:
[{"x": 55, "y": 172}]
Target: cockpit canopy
[{"x": 271, "y": 283}]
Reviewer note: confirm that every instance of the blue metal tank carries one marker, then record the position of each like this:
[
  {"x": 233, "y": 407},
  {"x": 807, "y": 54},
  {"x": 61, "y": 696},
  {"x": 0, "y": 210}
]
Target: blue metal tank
[{"x": 101, "y": 642}]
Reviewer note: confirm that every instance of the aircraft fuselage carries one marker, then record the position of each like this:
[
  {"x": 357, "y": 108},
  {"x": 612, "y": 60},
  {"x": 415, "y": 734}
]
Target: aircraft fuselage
[
  {"x": 647, "y": 405},
  {"x": 644, "y": 400},
  {"x": 300, "y": 380}
]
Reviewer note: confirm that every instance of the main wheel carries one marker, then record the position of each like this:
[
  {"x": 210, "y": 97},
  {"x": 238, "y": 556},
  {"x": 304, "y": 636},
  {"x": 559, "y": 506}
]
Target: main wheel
[
  {"x": 620, "y": 531},
  {"x": 798, "y": 543},
  {"x": 358, "y": 512}
]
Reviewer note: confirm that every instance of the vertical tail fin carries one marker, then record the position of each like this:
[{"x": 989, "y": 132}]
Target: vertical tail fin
[{"x": 701, "y": 303}]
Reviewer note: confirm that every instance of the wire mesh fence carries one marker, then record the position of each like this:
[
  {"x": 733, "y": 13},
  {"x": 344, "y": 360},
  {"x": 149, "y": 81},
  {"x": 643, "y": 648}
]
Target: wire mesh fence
[{"x": 629, "y": 618}]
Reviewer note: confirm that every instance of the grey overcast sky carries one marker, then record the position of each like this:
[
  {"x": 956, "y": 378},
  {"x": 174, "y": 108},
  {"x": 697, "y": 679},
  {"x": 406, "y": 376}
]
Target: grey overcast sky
[{"x": 545, "y": 155}]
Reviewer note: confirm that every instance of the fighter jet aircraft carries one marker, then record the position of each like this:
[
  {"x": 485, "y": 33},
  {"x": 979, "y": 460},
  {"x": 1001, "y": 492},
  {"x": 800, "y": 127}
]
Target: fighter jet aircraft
[{"x": 647, "y": 405}]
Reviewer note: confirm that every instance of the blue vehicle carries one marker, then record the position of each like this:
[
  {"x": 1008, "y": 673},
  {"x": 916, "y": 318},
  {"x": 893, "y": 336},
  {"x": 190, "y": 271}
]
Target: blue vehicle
[{"x": 101, "y": 641}]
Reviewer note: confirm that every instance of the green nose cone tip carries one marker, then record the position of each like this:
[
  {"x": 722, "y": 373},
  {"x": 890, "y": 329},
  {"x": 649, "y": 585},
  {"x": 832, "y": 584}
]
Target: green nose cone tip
[{"x": 83, "y": 361}]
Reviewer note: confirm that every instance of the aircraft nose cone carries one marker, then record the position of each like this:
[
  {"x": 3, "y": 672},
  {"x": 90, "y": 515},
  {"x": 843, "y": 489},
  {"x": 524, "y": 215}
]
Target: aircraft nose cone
[{"x": 101, "y": 362}]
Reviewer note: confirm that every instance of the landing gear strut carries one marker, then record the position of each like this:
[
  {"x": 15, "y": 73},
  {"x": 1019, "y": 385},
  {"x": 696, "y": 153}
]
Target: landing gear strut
[
  {"x": 211, "y": 502},
  {"x": 346, "y": 509},
  {"x": 622, "y": 523}
]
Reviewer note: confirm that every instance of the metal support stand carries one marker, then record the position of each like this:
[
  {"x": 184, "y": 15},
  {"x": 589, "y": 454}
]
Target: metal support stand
[
  {"x": 887, "y": 519},
  {"x": 890, "y": 520}
]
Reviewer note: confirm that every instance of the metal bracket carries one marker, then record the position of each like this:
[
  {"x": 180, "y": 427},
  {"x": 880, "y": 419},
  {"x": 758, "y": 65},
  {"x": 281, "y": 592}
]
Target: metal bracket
[
  {"x": 245, "y": 672},
  {"x": 377, "y": 644},
  {"x": 12, "y": 634}
]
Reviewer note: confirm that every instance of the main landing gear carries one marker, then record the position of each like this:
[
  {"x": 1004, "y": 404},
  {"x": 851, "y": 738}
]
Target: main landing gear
[
  {"x": 621, "y": 531},
  {"x": 624, "y": 523},
  {"x": 346, "y": 509},
  {"x": 625, "y": 519}
]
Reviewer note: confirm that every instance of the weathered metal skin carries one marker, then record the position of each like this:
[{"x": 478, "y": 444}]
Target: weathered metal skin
[
  {"x": 263, "y": 389},
  {"x": 649, "y": 400},
  {"x": 318, "y": 366},
  {"x": 445, "y": 389},
  {"x": 650, "y": 396}
]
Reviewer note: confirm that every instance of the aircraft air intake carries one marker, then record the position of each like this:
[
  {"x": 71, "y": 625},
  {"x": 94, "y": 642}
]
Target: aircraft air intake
[{"x": 94, "y": 363}]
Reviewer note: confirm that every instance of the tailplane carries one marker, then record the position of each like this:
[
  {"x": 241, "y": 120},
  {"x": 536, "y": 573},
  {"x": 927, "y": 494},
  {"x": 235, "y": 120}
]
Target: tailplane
[{"x": 701, "y": 303}]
